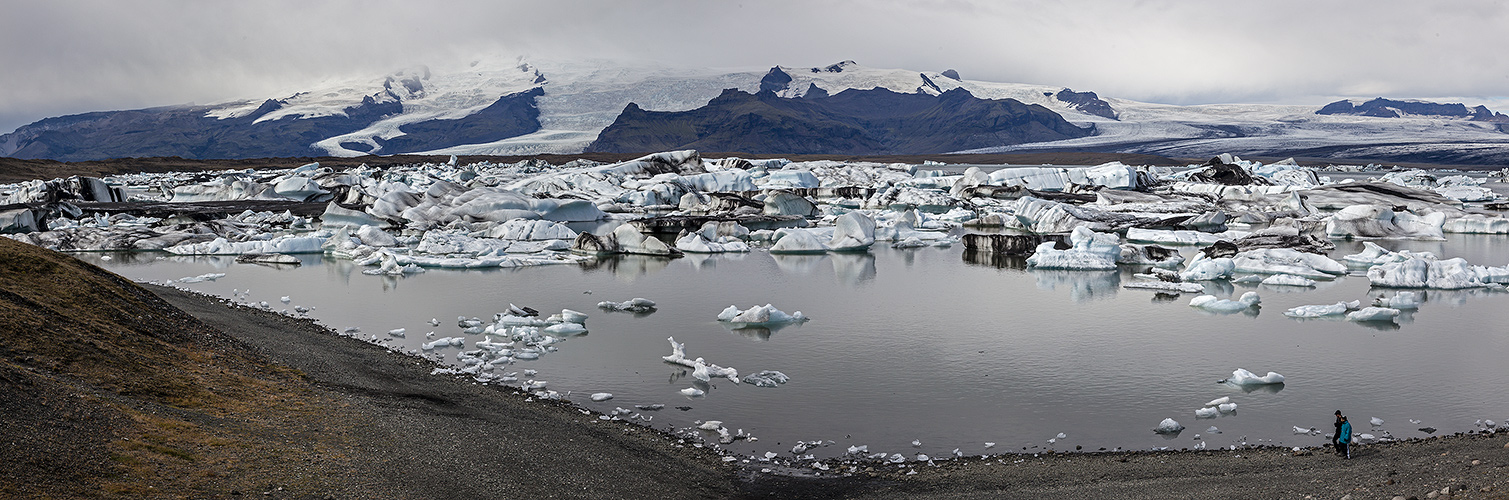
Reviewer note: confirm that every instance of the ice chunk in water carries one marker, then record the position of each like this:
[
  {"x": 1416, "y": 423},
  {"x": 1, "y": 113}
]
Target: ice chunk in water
[
  {"x": 1373, "y": 314},
  {"x": 1219, "y": 401},
  {"x": 1318, "y": 311},
  {"x": 602, "y": 396},
  {"x": 1168, "y": 426},
  {"x": 760, "y": 315},
  {"x": 397, "y": 332},
  {"x": 1227, "y": 408},
  {"x": 1404, "y": 301},
  {"x": 565, "y": 329},
  {"x": 766, "y": 378},
  {"x": 1243, "y": 377},
  {"x": 634, "y": 305},
  {"x": 692, "y": 392},
  {"x": 1208, "y": 412},
  {"x": 1211, "y": 303},
  {"x": 1376, "y": 421}
]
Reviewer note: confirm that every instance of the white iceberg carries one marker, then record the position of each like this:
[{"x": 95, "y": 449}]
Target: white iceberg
[
  {"x": 1168, "y": 426},
  {"x": 1201, "y": 268},
  {"x": 759, "y": 315},
  {"x": 1373, "y": 314},
  {"x": 1287, "y": 261},
  {"x": 1404, "y": 301},
  {"x": 1318, "y": 311},
  {"x": 1242, "y": 377},
  {"x": 531, "y": 230},
  {"x": 1213, "y": 304},
  {"x": 1449, "y": 274},
  {"x": 282, "y": 244},
  {"x": 1288, "y": 280},
  {"x": 1377, "y": 221},
  {"x": 634, "y": 305},
  {"x": 1089, "y": 251},
  {"x": 1372, "y": 254}
]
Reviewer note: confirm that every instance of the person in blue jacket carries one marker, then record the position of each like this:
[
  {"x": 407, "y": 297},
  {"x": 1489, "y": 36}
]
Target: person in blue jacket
[{"x": 1344, "y": 438}]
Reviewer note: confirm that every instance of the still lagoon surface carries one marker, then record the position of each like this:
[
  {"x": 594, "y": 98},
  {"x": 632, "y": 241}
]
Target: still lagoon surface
[{"x": 942, "y": 347}]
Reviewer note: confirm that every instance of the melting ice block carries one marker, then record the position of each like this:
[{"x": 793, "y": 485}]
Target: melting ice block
[
  {"x": 1201, "y": 268},
  {"x": 1373, "y": 314},
  {"x": 1089, "y": 251},
  {"x": 759, "y": 315},
  {"x": 1317, "y": 311},
  {"x": 1243, "y": 377},
  {"x": 1405, "y": 301},
  {"x": 1212, "y": 304},
  {"x": 602, "y": 396},
  {"x": 634, "y": 305},
  {"x": 1168, "y": 426}
]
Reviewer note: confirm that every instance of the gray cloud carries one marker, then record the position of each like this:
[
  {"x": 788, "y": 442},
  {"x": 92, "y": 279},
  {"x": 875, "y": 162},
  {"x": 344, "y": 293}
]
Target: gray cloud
[{"x": 75, "y": 56}]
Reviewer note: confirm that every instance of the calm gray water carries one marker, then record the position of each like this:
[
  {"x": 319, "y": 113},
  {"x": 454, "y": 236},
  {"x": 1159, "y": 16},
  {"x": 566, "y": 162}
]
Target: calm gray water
[{"x": 927, "y": 345}]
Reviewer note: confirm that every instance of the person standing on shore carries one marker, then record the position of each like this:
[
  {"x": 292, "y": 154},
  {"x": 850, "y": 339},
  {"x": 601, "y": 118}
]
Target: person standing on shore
[
  {"x": 1344, "y": 438},
  {"x": 1336, "y": 437}
]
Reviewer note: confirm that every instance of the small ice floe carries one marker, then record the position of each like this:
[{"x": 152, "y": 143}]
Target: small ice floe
[
  {"x": 766, "y": 378},
  {"x": 1207, "y": 412},
  {"x": 854, "y": 450},
  {"x": 1201, "y": 268},
  {"x": 1242, "y": 377},
  {"x": 1373, "y": 314},
  {"x": 634, "y": 305},
  {"x": 1212, "y": 430},
  {"x": 602, "y": 396},
  {"x": 568, "y": 316},
  {"x": 678, "y": 356},
  {"x": 1165, "y": 286},
  {"x": 989, "y": 445},
  {"x": 434, "y": 322},
  {"x": 1320, "y": 311},
  {"x": 285, "y": 299},
  {"x": 1227, "y": 408},
  {"x": 1219, "y": 401},
  {"x": 1226, "y": 306},
  {"x": 693, "y": 392},
  {"x": 650, "y": 407},
  {"x": 1373, "y": 255},
  {"x": 1168, "y": 426},
  {"x": 759, "y": 315},
  {"x": 443, "y": 342},
  {"x": 1375, "y": 421},
  {"x": 563, "y": 329},
  {"x": 202, "y": 278},
  {"x": 916, "y": 443},
  {"x": 1404, "y": 301},
  {"x": 1304, "y": 431},
  {"x": 1288, "y": 280},
  {"x": 397, "y": 332},
  {"x": 1061, "y": 436},
  {"x": 302, "y": 309}
]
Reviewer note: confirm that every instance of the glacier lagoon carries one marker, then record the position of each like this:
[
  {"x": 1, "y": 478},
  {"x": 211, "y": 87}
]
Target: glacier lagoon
[{"x": 936, "y": 345}]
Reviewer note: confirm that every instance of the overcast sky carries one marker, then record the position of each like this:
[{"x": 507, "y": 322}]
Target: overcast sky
[{"x": 64, "y": 56}]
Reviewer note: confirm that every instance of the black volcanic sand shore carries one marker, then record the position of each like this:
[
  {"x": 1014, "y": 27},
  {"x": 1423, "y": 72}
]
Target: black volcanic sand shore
[{"x": 111, "y": 389}]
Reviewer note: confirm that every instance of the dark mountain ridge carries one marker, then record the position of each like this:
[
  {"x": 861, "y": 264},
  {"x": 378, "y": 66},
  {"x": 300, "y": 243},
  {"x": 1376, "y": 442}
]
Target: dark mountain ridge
[
  {"x": 874, "y": 121},
  {"x": 1392, "y": 108}
]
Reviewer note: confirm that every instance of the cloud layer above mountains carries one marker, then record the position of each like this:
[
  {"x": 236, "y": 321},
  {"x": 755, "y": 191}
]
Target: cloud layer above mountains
[{"x": 73, "y": 56}]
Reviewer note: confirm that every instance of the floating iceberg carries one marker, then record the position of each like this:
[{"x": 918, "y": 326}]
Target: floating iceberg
[
  {"x": 1372, "y": 254},
  {"x": 766, "y": 378},
  {"x": 1406, "y": 301},
  {"x": 1089, "y": 251},
  {"x": 1377, "y": 221},
  {"x": 1168, "y": 426},
  {"x": 678, "y": 356},
  {"x": 759, "y": 315},
  {"x": 1449, "y": 274},
  {"x": 1288, "y": 280},
  {"x": 1242, "y": 377},
  {"x": 1287, "y": 261},
  {"x": 1318, "y": 311},
  {"x": 634, "y": 305},
  {"x": 1212, "y": 304},
  {"x": 531, "y": 230},
  {"x": 1477, "y": 224},
  {"x": 282, "y": 244},
  {"x": 1373, "y": 314},
  {"x": 1202, "y": 268}
]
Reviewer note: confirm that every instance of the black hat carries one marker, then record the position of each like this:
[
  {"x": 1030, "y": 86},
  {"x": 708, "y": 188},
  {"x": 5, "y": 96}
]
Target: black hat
[{"x": 1338, "y": 413}]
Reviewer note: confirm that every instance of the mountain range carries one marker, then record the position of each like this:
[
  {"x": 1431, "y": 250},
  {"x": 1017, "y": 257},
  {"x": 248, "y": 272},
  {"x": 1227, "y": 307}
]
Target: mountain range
[{"x": 520, "y": 108}]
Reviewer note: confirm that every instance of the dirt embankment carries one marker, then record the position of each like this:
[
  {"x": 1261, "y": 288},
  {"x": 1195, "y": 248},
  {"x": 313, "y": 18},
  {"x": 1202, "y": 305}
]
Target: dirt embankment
[{"x": 112, "y": 390}]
